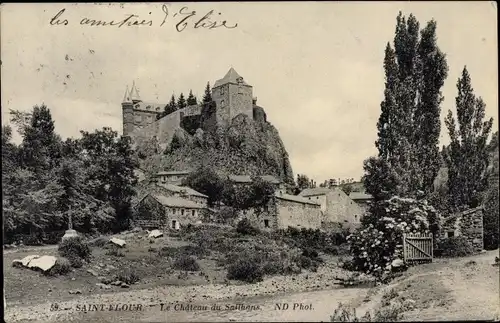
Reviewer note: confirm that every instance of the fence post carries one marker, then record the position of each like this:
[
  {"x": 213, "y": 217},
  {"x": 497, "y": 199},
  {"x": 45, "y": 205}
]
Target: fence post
[{"x": 404, "y": 247}]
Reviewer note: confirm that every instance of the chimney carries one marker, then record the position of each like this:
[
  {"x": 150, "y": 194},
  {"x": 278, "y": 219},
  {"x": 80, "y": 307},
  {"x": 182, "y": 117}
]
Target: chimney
[{"x": 254, "y": 100}]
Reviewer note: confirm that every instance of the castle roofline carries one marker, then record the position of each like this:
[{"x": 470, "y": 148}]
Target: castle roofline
[
  {"x": 231, "y": 77},
  {"x": 134, "y": 94}
]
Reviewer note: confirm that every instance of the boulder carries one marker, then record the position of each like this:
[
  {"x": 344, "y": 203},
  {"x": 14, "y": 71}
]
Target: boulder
[
  {"x": 103, "y": 286},
  {"x": 43, "y": 263},
  {"x": 76, "y": 291},
  {"x": 155, "y": 234},
  {"x": 92, "y": 272},
  {"x": 26, "y": 260},
  {"x": 118, "y": 242},
  {"x": 397, "y": 263},
  {"x": 116, "y": 283},
  {"x": 69, "y": 234},
  {"x": 124, "y": 285}
]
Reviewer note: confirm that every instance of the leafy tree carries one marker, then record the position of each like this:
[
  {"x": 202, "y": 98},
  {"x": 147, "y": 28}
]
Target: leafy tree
[
  {"x": 491, "y": 215},
  {"x": 408, "y": 126},
  {"x": 380, "y": 179},
  {"x": 41, "y": 146},
  {"x": 303, "y": 182},
  {"x": 205, "y": 180},
  {"x": 181, "y": 102},
  {"x": 191, "y": 100},
  {"x": 347, "y": 188},
  {"x": 110, "y": 168},
  {"x": 467, "y": 158},
  {"x": 207, "y": 97}
]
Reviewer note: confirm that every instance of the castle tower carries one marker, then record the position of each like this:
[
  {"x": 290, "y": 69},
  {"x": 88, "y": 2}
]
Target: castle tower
[
  {"x": 128, "y": 113},
  {"x": 233, "y": 96}
]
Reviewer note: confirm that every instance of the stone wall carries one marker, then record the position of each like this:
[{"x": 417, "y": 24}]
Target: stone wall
[
  {"x": 298, "y": 215},
  {"x": 262, "y": 218},
  {"x": 240, "y": 100},
  {"x": 468, "y": 224},
  {"x": 220, "y": 95},
  {"x": 150, "y": 214},
  {"x": 342, "y": 209}
]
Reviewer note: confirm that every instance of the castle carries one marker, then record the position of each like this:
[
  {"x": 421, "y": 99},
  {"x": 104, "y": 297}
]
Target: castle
[{"x": 231, "y": 94}]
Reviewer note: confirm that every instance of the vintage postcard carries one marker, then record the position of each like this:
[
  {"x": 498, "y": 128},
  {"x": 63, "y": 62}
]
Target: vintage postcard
[{"x": 250, "y": 161}]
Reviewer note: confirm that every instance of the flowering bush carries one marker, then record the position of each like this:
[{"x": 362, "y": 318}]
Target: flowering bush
[{"x": 378, "y": 242}]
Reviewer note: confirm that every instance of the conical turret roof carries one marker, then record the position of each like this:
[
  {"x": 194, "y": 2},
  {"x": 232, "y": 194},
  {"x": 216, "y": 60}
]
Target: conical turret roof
[
  {"x": 134, "y": 94},
  {"x": 126, "y": 97},
  {"x": 231, "y": 77}
]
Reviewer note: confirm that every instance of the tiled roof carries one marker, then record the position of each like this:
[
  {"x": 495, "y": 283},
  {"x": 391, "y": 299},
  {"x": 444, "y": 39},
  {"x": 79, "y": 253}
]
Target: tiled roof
[
  {"x": 230, "y": 77},
  {"x": 295, "y": 198},
  {"x": 173, "y": 172},
  {"x": 181, "y": 189},
  {"x": 174, "y": 201},
  {"x": 315, "y": 191},
  {"x": 248, "y": 179},
  {"x": 360, "y": 196}
]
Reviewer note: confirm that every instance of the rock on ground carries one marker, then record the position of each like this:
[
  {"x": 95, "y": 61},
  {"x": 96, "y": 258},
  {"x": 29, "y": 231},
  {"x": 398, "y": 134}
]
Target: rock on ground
[
  {"x": 118, "y": 242},
  {"x": 44, "y": 263}
]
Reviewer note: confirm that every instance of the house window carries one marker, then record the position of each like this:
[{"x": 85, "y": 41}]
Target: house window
[
  {"x": 173, "y": 211},
  {"x": 356, "y": 217},
  {"x": 451, "y": 234},
  {"x": 309, "y": 198},
  {"x": 317, "y": 197},
  {"x": 266, "y": 223},
  {"x": 193, "y": 212},
  {"x": 174, "y": 224},
  {"x": 182, "y": 211}
]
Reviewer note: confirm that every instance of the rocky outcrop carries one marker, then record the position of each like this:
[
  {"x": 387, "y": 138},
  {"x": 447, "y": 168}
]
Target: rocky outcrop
[{"x": 246, "y": 146}]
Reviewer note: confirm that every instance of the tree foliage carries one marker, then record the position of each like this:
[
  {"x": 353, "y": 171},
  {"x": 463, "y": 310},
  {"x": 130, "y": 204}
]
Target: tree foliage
[
  {"x": 191, "y": 100},
  {"x": 409, "y": 126},
  {"x": 181, "y": 102},
  {"x": 207, "y": 96},
  {"x": 46, "y": 180},
  {"x": 467, "y": 157}
]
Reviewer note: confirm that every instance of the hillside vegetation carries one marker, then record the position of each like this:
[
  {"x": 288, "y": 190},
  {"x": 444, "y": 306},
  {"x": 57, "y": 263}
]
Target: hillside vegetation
[{"x": 246, "y": 146}]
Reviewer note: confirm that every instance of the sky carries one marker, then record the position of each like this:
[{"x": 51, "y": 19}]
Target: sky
[{"x": 316, "y": 67}]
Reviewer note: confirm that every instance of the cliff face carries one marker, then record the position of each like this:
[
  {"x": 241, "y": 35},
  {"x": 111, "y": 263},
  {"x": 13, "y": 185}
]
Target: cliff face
[{"x": 244, "y": 147}]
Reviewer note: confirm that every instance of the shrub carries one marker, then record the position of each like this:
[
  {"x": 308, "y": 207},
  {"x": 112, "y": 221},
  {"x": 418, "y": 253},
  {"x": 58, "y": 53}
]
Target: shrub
[
  {"x": 272, "y": 267},
  {"x": 98, "y": 242},
  {"x": 455, "y": 247},
  {"x": 186, "y": 263},
  {"x": 76, "y": 250},
  {"x": 115, "y": 252},
  {"x": 129, "y": 277},
  {"x": 246, "y": 270},
  {"x": 344, "y": 313},
  {"x": 61, "y": 267},
  {"x": 245, "y": 227},
  {"x": 379, "y": 241}
]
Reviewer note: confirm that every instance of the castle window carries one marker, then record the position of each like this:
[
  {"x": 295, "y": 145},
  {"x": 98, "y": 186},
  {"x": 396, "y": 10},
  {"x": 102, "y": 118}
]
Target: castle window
[
  {"x": 240, "y": 89},
  {"x": 266, "y": 223},
  {"x": 222, "y": 103},
  {"x": 222, "y": 91},
  {"x": 193, "y": 212}
]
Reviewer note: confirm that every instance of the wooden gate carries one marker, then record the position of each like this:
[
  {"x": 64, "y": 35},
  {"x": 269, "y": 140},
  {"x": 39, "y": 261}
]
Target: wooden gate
[{"x": 417, "y": 247}]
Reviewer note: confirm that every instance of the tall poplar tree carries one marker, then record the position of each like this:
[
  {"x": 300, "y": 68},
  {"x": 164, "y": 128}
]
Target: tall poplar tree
[
  {"x": 467, "y": 157},
  {"x": 408, "y": 126}
]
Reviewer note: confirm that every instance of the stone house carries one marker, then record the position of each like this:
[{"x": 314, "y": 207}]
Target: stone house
[
  {"x": 171, "y": 177},
  {"x": 468, "y": 224},
  {"x": 362, "y": 199},
  {"x": 338, "y": 209},
  {"x": 284, "y": 210},
  {"x": 184, "y": 192},
  {"x": 157, "y": 211}
]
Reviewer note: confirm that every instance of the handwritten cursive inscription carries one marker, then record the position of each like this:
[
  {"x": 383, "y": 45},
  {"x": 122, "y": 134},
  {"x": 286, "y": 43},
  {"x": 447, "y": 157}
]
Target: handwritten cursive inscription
[
  {"x": 204, "y": 22},
  {"x": 183, "y": 19}
]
